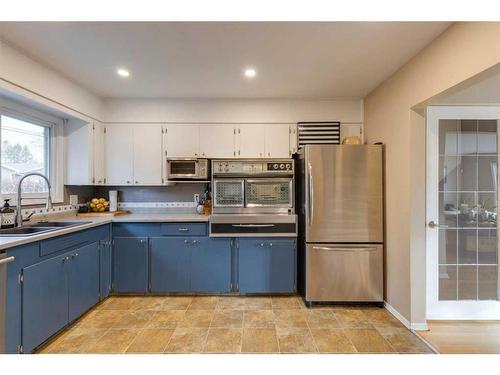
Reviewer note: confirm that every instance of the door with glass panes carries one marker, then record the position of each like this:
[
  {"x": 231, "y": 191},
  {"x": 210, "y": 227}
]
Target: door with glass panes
[{"x": 462, "y": 207}]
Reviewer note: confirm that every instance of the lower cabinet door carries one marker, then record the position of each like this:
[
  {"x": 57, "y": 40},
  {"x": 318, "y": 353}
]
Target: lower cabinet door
[
  {"x": 170, "y": 264},
  {"x": 83, "y": 279},
  {"x": 266, "y": 265},
  {"x": 211, "y": 265},
  {"x": 130, "y": 273},
  {"x": 105, "y": 268},
  {"x": 45, "y": 300}
]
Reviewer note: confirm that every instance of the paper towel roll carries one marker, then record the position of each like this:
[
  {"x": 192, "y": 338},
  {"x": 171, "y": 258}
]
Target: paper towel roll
[{"x": 113, "y": 200}]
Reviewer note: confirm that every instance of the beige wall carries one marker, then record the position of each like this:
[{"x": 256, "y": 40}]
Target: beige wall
[{"x": 462, "y": 51}]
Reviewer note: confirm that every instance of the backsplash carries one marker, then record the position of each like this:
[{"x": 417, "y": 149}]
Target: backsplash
[{"x": 137, "y": 194}]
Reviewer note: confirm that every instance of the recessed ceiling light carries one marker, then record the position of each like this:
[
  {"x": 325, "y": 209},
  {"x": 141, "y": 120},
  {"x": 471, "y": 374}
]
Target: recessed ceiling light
[
  {"x": 250, "y": 72},
  {"x": 123, "y": 72}
]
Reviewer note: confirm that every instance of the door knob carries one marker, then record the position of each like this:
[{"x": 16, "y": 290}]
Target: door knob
[{"x": 433, "y": 224}]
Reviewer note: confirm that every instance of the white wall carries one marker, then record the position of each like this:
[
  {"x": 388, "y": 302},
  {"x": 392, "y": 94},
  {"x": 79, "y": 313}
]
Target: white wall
[
  {"x": 232, "y": 110},
  {"x": 22, "y": 76}
]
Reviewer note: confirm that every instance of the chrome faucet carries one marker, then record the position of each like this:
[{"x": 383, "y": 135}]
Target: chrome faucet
[{"x": 19, "y": 184}]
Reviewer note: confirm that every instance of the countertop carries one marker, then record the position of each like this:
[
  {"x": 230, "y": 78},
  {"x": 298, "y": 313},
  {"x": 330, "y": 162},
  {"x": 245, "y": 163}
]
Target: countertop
[{"x": 8, "y": 242}]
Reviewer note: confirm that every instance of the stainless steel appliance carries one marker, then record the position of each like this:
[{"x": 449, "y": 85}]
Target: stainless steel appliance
[
  {"x": 252, "y": 198},
  {"x": 187, "y": 169},
  {"x": 4, "y": 260},
  {"x": 253, "y": 186},
  {"x": 340, "y": 200}
]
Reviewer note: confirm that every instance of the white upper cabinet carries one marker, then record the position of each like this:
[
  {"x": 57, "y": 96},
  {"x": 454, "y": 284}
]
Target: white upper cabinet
[
  {"x": 277, "y": 141},
  {"x": 182, "y": 140},
  {"x": 250, "y": 141},
  {"x": 293, "y": 139},
  {"x": 217, "y": 141},
  {"x": 119, "y": 154},
  {"x": 79, "y": 153},
  {"x": 147, "y": 151},
  {"x": 99, "y": 165}
]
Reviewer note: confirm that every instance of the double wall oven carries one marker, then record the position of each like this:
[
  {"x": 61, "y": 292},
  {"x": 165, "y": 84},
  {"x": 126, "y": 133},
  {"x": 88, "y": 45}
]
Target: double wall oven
[{"x": 253, "y": 197}]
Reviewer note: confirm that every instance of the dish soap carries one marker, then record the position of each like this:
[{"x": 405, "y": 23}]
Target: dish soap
[{"x": 7, "y": 216}]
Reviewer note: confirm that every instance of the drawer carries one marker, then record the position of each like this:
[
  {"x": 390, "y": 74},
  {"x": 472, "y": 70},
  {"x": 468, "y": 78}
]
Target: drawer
[
  {"x": 73, "y": 240},
  {"x": 183, "y": 229}
]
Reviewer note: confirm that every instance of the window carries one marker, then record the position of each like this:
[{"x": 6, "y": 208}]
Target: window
[
  {"x": 25, "y": 148},
  {"x": 30, "y": 141}
]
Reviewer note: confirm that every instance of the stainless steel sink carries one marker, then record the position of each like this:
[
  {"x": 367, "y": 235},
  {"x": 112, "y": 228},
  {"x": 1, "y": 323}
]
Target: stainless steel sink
[
  {"x": 24, "y": 231},
  {"x": 38, "y": 228},
  {"x": 58, "y": 224}
]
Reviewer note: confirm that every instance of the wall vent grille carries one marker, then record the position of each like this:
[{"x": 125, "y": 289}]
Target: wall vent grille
[{"x": 311, "y": 133}]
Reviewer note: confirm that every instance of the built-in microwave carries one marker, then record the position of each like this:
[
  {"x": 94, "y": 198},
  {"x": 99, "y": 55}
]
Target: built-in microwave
[{"x": 187, "y": 169}]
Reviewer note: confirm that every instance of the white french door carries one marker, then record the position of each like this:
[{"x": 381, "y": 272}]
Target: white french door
[{"x": 462, "y": 207}]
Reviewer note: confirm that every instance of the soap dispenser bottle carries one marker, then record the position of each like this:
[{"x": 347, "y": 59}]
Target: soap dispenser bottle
[{"x": 7, "y": 216}]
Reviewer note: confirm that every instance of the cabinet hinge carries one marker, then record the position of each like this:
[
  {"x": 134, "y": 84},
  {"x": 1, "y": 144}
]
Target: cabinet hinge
[
  {"x": 162, "y": 131},
  {"x": 234, "y": 153},
  {"x": 237, "y": 287},
  {"x": 20, "y": 349},
  {"x": 104, "y": 130},
  {"x": 290, "y": 130},
  {"x": 93, "y": 180},
  {"x": 93, "y": 126},
  {"x": 104, "y": 179},
  {"x": 234, "y": 131},
  {"x": 166, "y": 152},
  {"x": 162, "y": 180},
  {"x": 231, "y": 287},
  {"x": 20, "y": 278},
  {"x": 239, "y": 131}
]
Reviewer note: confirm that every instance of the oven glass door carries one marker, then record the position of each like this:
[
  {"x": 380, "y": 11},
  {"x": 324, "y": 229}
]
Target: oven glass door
[
  {"x": 228, "y": 192},
  {"x": 269, "y": 192},
  {"x": 182, "y": 168}
]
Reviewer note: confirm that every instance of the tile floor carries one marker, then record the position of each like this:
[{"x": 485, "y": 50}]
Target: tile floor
[{"x": 230, "y": 324}]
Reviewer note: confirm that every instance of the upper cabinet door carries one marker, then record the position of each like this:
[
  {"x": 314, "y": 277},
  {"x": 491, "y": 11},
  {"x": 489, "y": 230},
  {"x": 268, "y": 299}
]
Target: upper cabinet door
[
  {"x": 217, "y": 141},
  {"x": 98, "y": 154},
  {"x": 119, "y": 154},
  {"x": 293, "y": 139},
  {"x": 277, "y": 141},
  {"x": 250, "y": 141},
  {"x": 182, "y": 141},
  {"x": 147, "y": 154}
]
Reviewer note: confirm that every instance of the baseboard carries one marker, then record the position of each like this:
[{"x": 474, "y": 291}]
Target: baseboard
[{"x": 397, "y": 315}]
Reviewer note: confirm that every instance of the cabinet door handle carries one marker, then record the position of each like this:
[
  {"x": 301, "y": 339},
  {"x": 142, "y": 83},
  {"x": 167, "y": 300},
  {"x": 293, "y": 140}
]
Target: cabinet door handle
[
  {"x": 186, "y": 241},
  {"x": 128, "y": 182},
  {"x": 183, "y": 229},
  {"x": 137, "y": 182},
  {"x": 65, "y": 259},
  {"x": 74, "y": 255}
]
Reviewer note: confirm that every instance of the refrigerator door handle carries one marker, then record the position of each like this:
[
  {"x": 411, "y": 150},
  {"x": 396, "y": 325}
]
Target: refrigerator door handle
[
  {"x": 346, "y": 248},
  {"x": 311, "y": 195}
]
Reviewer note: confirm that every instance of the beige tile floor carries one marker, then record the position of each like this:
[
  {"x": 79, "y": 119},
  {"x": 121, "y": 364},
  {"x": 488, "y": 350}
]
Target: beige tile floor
[{"x": 229, "y": 324}]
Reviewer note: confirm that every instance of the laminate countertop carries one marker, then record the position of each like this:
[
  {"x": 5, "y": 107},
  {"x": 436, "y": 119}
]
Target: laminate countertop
[{"x": 89, "y": 222}]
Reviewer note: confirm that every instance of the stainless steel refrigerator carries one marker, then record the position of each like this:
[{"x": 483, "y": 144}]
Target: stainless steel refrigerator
[{"x": 341, "y": 223}]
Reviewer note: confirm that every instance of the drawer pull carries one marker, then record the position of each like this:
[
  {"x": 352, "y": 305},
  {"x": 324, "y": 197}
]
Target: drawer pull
[
  {"x": 252, "y": 225},
  {"x": 345, "y": 249},
  {"x": 183, "y": 229}
]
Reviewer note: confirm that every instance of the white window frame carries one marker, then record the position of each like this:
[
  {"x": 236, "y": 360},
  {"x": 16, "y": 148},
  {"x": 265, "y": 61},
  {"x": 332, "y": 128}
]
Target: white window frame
[{"x": 56, "y": 150}]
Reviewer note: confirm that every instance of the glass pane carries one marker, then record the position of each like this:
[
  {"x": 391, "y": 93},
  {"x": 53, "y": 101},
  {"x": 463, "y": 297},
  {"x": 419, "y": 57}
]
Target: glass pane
[
  {"x": 488, "y": 282},
  {"x": 448, "y": 283},
  {"x": 487, "y": 173},
  {"x": 448, "y": 137},
  {"x": 487, "y": 137},
  {"x": 467, "y": 282},
  {"x": 447, "y": 246},
  {"x": 467, "y": 246},
  {"x": 467, "y": 173},
  {"x": 487, "y": 246},
  {"x": 487, "y": 209},
  {"x": 448, "y": 173},
  {"x": 448, "y": 209},
  {"x": 467, "y": 205},
  {"x": 25, "y": 148},
  {"x": 467, "y": 139}
]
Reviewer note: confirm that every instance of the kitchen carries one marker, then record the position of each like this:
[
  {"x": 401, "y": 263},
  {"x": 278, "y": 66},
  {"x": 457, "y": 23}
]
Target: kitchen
[{"x": 235, "y": 205}]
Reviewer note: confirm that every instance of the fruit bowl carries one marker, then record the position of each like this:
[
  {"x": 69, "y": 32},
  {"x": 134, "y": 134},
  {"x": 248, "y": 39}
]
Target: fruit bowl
[{"x": 98, "y": 205}]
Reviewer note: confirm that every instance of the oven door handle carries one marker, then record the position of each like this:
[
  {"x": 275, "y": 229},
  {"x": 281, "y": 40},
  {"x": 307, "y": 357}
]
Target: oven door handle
[{"x": 252, "y": 225}]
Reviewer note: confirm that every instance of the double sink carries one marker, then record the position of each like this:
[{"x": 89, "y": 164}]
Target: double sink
[{"x": 39, "y": 228}]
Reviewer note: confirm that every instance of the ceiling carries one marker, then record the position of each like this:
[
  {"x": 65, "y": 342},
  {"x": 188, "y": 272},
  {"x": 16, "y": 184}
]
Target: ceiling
[{"x": 207, "y": 60}]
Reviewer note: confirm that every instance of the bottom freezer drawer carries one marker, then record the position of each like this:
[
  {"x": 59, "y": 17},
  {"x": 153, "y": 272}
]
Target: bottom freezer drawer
[{"x": 344, "y": 273}]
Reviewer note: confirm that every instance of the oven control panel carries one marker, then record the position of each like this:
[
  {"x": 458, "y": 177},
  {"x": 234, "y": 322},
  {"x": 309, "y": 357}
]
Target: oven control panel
[{"x": 252, "y": 167}]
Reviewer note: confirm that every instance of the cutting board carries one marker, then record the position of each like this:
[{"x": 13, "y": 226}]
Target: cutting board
[{"x": 104, "y": 214}]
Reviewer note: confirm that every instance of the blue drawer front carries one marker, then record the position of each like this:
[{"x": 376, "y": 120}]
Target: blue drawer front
[
  {"x": 183, "y": 229},
  {"x": 72, "y": 240}
]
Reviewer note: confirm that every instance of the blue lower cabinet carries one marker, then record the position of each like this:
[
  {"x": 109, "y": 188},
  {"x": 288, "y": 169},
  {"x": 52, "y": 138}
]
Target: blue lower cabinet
[
  {"x": 211, "y": 265},
  {"x": 83, "y": 278},
  {"x": 170, "y": 264},
  {"x": 45, "y": 300},
  {"x": 266, "y": 265},
  {"x": 130, "y": 272},
  {"x": 105, "y": 279}
]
